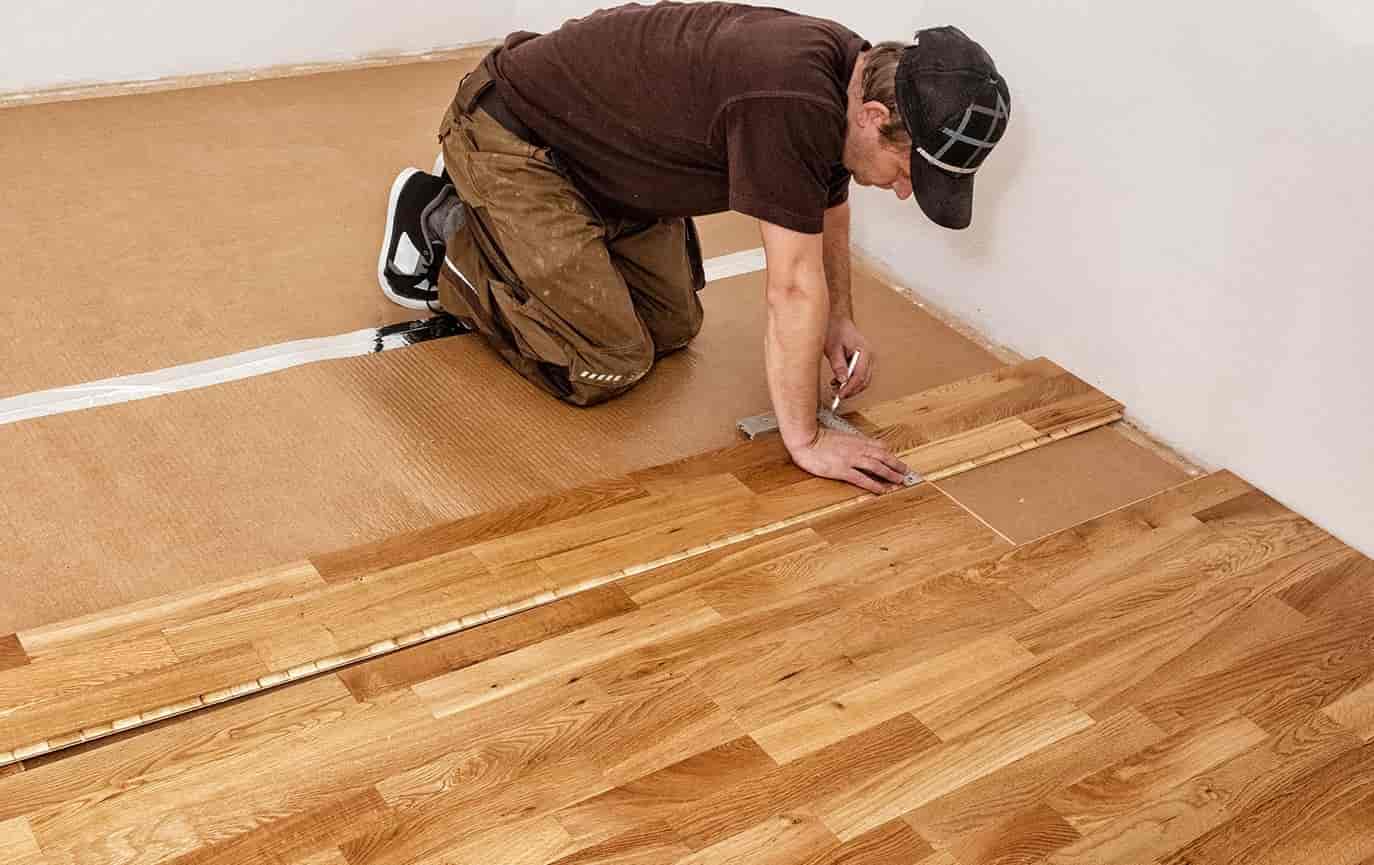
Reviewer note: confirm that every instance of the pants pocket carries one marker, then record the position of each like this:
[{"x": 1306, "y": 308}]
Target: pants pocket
[{"x": 534, "y": 335}]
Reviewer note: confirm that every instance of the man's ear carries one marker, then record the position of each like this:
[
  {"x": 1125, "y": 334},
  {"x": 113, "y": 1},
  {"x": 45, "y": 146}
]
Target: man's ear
[{"x": 873, "y": 114}]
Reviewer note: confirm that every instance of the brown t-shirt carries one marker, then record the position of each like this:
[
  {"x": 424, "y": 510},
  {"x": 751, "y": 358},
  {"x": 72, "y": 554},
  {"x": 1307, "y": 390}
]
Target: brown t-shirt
[{"x": 687, "y": 109}]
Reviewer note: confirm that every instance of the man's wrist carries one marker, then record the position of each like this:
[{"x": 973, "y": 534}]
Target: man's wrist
[{"x": 800, "y": 439}]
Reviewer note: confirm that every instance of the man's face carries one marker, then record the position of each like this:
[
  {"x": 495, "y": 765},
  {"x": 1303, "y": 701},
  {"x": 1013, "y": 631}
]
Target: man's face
[{"x": 871, "y": 160}]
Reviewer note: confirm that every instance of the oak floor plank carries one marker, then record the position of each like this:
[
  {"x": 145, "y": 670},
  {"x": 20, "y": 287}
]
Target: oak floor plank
[
  {"x": 1104, "y": 797},
  {"x": 85, "y": 636},
  {"x": 1215, "y": 645},
  {"x": 690, "y": 574},
  {"x": 430, "y": 660},
  {"x": 911, "y": 783},
  {"x": 800, "y": 783},
  {"x": 65, "y": 790},
  {"x": 906, "y": 690},
  {"x": 1355, "y": 711},
  {"x": 354, "y": 613},
  {"x": 12, "y": 653},
  {"x": 1157, "y": 827},
  {"x": 781, "y": 840},
  {"x": 1277, "y": 683},
  {"x": 562, "y": 656},
  {"x": 18, "y": 846},
  {"x": 409, "y": 547},
  {"x": 763, "y": 681},
  {"x": 688, "y": 498},
  {"x": 1186, "y": 570},
  {"x": 1290, "y": 813},
  {"x": 532, "y": 771},
  {"x": 656, "y": 797},
  {"x": 973, "y": 808},
  {"x": 1028, "y": 836},
  {"x": 295, "y": 837},
  {"x": 1338, "y": 582},
  {"x": 34, "y": 697},
  {"x": 79, "y": 708},
  {"x": 981, "y": 399},
  {"x": 644, "y": 844},
  {"x": 890, "y": 843}
]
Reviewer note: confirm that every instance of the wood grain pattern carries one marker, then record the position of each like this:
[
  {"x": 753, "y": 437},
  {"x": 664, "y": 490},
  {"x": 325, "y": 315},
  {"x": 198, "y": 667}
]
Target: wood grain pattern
[
  {"x": 1183, "y": 682},
  {"x": 369, "y": 602},
  {"x": 12, "y": 653}
]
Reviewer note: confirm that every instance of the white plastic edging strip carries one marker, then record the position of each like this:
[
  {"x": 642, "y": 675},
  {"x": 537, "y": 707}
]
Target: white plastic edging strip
[
  {"x": 734, "y": 264},
  {"x": 253, "y": 362}
]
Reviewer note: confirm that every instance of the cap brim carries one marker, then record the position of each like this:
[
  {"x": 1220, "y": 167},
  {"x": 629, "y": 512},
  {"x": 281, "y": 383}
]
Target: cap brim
[{"x": 945, "y": 197}]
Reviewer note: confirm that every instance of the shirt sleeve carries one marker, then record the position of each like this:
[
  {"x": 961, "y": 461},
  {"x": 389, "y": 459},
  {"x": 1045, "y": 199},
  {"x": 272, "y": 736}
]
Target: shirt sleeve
[{"x": 782, "y": 153}]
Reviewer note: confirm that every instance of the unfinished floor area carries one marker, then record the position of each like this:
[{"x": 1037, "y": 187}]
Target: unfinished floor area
[{"x": 404, "y": 609}]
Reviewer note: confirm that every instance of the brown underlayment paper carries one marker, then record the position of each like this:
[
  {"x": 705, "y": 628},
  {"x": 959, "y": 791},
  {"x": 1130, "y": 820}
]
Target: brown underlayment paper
[{"x": 165, "y": 228}]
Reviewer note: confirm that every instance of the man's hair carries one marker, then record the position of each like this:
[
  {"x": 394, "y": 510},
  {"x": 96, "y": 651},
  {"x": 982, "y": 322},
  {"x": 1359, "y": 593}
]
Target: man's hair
[{"x": 880, "y": 85}]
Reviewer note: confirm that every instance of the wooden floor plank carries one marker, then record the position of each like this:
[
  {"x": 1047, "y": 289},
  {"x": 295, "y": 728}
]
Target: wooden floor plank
[
  {"x": 86, "y": 707},
  {"x": 803, "y": 732},
  {"x": 12, "y": 653},
  {"x": 1104, "y": 797},
  {"x": 889, "y": 843},
  {"x": 409, "y": 547},
  {"x": 644, "y": 844},
  {"x": 782, "y": 840},
  {"x": 561, "y": 656},
  {"x": 973, "y": 808},
  {"x": 656, "y": 797},
  {"x": 430, "y": 660},
  {"x": 1280, "y": 821},
  {"x": 1029, "y": 836},
  {"x": 800, "y": 783},
  {"x": 913, "y": 782},
  {"x": 79, "y": 636}
]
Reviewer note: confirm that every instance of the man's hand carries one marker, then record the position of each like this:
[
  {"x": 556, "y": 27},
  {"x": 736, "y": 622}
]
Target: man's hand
[
  {"x": 842, "y": 339},
  {"x": 861, "y": 461}
]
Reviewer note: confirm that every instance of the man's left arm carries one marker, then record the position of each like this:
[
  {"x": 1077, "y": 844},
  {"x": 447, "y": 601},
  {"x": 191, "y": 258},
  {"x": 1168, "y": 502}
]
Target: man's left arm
[{"x": 842, "y": 336}]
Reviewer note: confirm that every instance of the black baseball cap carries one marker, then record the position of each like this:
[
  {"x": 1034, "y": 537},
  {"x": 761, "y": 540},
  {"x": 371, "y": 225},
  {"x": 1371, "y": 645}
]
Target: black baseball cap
[{"x": 955, "y": 106}]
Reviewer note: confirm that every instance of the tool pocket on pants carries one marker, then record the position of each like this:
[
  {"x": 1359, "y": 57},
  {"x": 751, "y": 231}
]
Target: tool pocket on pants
[
  {"x": 530, "y": 325},
  {"x": 694, "y": 255}
]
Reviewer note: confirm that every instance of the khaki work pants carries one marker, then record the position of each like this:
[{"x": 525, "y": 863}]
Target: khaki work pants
[{"x": 578, "y": 303}]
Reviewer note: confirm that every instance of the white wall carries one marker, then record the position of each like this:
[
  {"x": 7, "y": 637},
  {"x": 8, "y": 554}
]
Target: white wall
[
  {"x": 50, "y": 43},
  {"x": 1180, "y": 213}
]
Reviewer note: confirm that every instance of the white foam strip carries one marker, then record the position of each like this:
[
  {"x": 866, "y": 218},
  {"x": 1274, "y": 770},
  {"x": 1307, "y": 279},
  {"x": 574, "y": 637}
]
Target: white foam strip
[
  {"x": 734, "y": 264},
  {"x": 258, "y": 361}
]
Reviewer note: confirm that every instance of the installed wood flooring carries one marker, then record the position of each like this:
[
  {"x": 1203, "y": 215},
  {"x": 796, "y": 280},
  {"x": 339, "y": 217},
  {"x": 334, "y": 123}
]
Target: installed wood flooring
[{"x": 1187, "y": 681}]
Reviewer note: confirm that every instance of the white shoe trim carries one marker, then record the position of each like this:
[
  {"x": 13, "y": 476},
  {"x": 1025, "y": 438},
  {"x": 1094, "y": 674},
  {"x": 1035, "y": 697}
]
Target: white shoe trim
[{"x": 392, "y": 198}]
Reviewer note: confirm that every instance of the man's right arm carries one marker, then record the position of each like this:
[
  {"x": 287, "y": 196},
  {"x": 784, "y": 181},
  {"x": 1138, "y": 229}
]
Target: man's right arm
[{"x": 798, "y": 314}]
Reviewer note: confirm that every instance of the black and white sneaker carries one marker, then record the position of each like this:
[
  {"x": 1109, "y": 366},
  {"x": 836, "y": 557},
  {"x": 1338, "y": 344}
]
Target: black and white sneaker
[{"x": 421, "y": 209}]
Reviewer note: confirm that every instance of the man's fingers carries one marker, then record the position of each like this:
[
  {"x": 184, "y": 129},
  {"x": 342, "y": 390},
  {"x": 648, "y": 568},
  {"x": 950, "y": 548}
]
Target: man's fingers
[
  {"x": 892, "y": 462},
  {"x": 881, "y": 469},
  {"x": 863, "y": 481}
]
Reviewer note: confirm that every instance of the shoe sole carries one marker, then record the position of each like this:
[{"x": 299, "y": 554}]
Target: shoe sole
[{"x": 399, "y": 300}]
